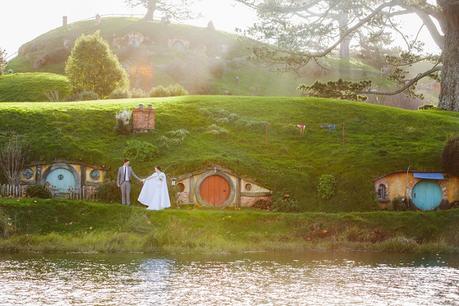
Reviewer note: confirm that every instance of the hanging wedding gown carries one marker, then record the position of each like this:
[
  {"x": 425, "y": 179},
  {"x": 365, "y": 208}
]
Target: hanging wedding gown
[{"x": 154, "y": 192}]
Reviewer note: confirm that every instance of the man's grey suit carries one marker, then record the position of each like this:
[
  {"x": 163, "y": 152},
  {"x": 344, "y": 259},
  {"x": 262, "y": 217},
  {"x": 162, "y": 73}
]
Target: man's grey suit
[{"x": 125, "y": 174}]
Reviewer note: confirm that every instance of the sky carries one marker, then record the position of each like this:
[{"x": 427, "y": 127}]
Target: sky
[{"x": 23, "y": 20}]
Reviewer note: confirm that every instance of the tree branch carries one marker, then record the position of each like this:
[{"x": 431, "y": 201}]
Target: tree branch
[{"x": 413, "y": 81}]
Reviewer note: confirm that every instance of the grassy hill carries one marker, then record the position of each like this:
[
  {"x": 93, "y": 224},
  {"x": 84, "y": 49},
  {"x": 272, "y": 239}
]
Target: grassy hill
[
  {"x": 209, "y": 62},
  {"x": 230, "y": 131},
  {"x": 32, "y": 86}
]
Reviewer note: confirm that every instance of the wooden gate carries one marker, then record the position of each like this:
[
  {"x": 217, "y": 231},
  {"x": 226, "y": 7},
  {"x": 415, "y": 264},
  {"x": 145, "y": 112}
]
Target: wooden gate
[{"x": 215, "y": 190}]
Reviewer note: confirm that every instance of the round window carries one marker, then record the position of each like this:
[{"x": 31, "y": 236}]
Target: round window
[
  {"x": 181, "y": 187},
  {"x": 28, "y": 173},
  {"x": 60, "y": 177},
  {"x": 94, "y": 174},
  {"x": 248, "y": 187}
]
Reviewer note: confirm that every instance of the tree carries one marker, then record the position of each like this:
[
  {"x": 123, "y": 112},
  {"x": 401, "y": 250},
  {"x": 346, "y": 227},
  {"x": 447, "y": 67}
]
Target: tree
[
  {"x": 175, "y": 9},
  {"x": 92, "y": 66},
  {"x": 441, "y": 20},
  {"x": 12, "y": 159},
  {"x": 450, "y": 157},
  {"x": 3, "y": 61}
]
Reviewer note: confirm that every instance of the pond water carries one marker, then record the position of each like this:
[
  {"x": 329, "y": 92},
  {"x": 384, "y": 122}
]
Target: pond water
[{"x": 248, "y": 279}]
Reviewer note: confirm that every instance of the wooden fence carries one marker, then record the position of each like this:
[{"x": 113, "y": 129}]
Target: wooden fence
[
  {"x": 87, "y": 193},
  {"x": 13, "y": 191}
]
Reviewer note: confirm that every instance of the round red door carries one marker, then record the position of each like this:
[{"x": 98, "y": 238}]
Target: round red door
[{"x": 215, "y": 190}]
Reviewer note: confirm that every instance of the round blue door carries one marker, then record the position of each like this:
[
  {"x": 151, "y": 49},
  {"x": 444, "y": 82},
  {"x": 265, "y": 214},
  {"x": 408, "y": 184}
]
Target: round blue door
[
  {"x": 61, "y": 180},
  {"x": 427, "y": 195}
]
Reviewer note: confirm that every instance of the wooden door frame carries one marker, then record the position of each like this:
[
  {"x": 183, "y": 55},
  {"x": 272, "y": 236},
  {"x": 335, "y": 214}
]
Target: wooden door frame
[{"x": 226, "y": 177}]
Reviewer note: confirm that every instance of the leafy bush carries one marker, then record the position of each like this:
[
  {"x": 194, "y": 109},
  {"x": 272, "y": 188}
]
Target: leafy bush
[
  {"x": 138, "y": 93},
  {"x": 173, "y": 138},
  {"x": 108, "y": 192},
  {"x": 285, "y": 204},
  {"x": 120, "y": 93},
  {"x": 263, "y": 204},
  {"x": 140, "y": 150},
  {"x": 123, "y": 122},
  {"x": 399, "y": 204},
  {"x": 450, "y": 157},
  {"x": 177, "y": 90},
  {"x": 38, "y": 191},
  {"x": 326, "y": 187},
  {"x": 102, "y": 76},
  {"x": 159, "y": 91},
  {"x": 216, "y": 130},
  {"x": 169, "y": 91},
  {"x": 88, "y": 95}
]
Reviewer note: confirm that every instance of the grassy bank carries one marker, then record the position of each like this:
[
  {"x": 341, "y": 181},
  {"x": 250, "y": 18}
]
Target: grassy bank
[
  {"x": 230, "y": 131},
  {"x": 64, "y": 226},
  {"x": 32, "y": 87}
]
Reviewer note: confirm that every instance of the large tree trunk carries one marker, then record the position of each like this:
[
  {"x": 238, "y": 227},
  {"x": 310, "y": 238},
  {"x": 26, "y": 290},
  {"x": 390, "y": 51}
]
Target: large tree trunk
[
  {"x": 151, "y": 8},
  {"x": 344, "y": 54},
  {"x": 449, "y": 96}
]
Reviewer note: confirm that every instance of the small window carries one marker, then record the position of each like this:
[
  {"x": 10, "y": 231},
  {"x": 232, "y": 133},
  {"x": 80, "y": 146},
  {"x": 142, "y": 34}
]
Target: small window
[
  {"x": 382, "y": 192},
  {"x": 181, "y": 187},
  {"x": 248, "y": 187}
]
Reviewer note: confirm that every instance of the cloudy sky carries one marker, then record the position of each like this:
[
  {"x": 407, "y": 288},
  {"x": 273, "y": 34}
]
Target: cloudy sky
[{"x": 23, "y": 20}]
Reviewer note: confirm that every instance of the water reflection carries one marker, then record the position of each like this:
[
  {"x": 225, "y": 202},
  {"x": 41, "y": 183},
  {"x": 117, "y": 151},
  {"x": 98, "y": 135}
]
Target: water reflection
[{"x": 261, "y": 279}]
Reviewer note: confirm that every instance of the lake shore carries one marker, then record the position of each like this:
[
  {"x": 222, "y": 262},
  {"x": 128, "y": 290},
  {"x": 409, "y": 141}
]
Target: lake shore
[{"x": 52, "y": 226}]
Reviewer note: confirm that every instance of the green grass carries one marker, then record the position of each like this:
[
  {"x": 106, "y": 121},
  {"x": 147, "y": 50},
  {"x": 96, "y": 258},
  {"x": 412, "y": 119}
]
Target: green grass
[
  {"x": 378, "y": 140},
  {"x": 32, "y": 86},
  {"x": 57, "y": 225}
]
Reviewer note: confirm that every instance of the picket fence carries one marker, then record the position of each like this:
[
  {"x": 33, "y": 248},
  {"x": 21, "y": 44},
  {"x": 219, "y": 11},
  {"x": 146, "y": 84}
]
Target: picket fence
[
  {"x": 13, "y": 191},
  {"x": 87, "y": 193}
]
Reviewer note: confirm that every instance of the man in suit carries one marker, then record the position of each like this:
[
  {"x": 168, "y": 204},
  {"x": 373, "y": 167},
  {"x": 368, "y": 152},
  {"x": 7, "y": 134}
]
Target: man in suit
[{"x": 123, "y": 181}]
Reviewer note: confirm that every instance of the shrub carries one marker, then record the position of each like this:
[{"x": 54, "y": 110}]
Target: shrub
[
  {"x": 450, "y": 157},
  {"x": 173, "y": 138},
  {"x": 108, "y": 192},
  {"x": 38, "y": 191},
  {"x": 88, "y": 95},
  {"x": 140, "y": 150},
  {"x": 123, "y": 122},
  {"x": 102, "y": 76},
  {"x": 216, "y": 130},
  {"x": 263, "y": 204},
  {"x": 120, "y": 93},
  {"x": 159, "y": 91},
  {"x": 326, "y": 187},
  {"x": 169, "y": 91},
  {"x": 177, "y": 90},
  {"x": 285, "y": 204},
  {"x": 138, "y": 93}
]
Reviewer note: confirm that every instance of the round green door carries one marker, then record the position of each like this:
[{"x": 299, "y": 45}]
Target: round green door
[
  {"x": 427, "y": 195},
  {"x": 61, "y": 180}
]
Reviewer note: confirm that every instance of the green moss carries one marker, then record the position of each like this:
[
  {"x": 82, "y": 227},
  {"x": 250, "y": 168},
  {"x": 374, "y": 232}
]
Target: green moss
[
  {"x": 378, "y": 140},
  {"x": 32, "y": 86}
]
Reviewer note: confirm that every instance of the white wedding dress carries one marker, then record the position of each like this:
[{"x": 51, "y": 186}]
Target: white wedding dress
[{"x": 154, "y": 192}]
